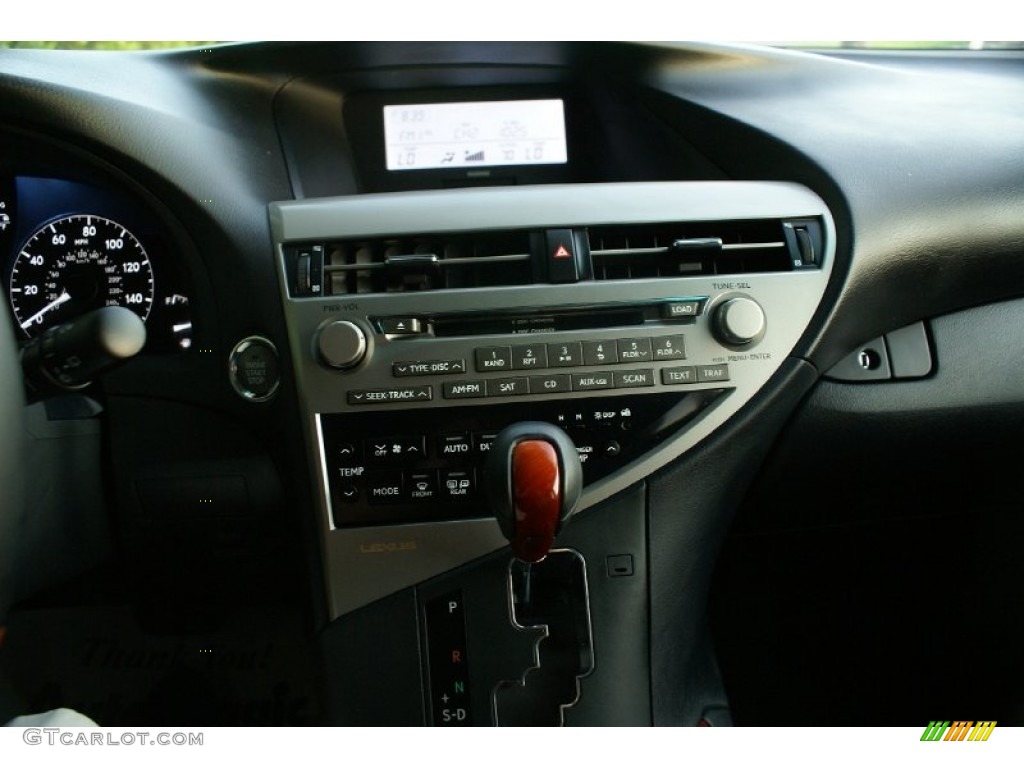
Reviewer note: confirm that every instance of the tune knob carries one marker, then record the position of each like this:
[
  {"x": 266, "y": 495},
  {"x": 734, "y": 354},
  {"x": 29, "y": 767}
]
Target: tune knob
[
  {"x": 342, "y": 344},
  {"x": 738, "y": 321}
]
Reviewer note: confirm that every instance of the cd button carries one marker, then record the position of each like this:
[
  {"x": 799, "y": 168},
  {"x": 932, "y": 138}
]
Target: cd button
[{"x": 555, "y": 382}]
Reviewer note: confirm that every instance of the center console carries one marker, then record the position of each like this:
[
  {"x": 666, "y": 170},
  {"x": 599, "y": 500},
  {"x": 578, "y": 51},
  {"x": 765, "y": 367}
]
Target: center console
[{"x": 638, "y": 317}]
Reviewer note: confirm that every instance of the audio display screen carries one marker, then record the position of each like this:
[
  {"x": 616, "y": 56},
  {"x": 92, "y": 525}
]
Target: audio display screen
[{"x": 466, "y": 135}]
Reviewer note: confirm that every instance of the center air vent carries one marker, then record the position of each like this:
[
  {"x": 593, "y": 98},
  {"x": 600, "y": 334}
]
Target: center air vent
[
  {"x": 703, "y": 248},
  {"x": 410, "y": 263}
]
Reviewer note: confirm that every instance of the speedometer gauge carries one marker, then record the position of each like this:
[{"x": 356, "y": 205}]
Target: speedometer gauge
[{"x": 77, "y": 264}]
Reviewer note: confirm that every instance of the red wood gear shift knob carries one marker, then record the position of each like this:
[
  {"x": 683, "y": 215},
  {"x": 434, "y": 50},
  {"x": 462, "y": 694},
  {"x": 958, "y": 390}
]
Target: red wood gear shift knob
[
  {"x": 534, "y": 480},
  {"x": 536, "y": 498}
]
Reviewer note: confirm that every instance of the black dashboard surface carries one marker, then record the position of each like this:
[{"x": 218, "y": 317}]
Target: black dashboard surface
[{"x": 918, "y": 158}]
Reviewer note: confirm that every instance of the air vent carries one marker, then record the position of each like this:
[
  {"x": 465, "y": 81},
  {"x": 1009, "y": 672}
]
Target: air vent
[
  {"x": 520, "y": 257},
  {"x": 415, "y": 263},
  {"x": 704, "y": 248}
]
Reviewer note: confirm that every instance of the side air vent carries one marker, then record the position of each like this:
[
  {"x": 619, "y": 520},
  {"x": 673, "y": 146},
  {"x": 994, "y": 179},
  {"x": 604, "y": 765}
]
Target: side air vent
[
  {"x": 704, "y": 248},
  {"x": 411, "y": 263}
]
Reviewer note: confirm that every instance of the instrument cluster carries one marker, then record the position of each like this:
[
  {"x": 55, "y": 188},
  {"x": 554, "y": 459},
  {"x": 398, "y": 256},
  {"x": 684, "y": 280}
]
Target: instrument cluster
[{"x": 70, "y": 247}]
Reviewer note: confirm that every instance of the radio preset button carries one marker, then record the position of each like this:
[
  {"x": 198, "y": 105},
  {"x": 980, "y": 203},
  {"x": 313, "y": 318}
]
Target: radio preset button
[
  {"x": 526, "y": 356},
  {"x": 583, "y": 382},
  {"x": 555, "y": 382},
  {"x": 685, "y": 374},
  {"x": 628, "y": 379},
  {"x": 453, "y": 390},
  {"x": 634, "y": 350},
  {"x": 493, "y": 359},
  {"x": 508, "y": 387},
  {"x": 600, "y": 353},
  {"x": 565, "y": 355},
  {"x": 669, "y": 348}
]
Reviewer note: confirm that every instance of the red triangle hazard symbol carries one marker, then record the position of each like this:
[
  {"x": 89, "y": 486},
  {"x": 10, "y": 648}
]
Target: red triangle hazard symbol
[{"x": 562, "y": 253}]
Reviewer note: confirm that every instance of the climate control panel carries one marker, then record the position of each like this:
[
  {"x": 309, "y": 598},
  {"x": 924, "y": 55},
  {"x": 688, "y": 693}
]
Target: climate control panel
[{"x": 386, "y": 471}]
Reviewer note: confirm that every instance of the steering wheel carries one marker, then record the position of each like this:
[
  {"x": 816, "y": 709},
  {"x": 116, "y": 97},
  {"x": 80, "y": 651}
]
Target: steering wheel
[{"x": 12, "y": 388}]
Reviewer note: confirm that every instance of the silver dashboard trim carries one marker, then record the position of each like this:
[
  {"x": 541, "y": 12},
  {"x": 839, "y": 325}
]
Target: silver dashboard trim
[{"x": 366, "y": 564}]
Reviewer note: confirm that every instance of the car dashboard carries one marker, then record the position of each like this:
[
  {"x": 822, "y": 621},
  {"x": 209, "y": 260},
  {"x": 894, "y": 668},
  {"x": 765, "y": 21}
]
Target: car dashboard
[{"x": 766, "y": 294}]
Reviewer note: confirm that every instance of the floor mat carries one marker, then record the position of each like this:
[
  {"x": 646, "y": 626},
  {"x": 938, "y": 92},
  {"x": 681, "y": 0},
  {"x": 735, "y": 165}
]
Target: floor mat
[{"x": 257, "y": 668}]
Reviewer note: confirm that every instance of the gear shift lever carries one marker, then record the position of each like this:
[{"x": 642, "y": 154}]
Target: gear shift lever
[{"x": 533, "y": 479}]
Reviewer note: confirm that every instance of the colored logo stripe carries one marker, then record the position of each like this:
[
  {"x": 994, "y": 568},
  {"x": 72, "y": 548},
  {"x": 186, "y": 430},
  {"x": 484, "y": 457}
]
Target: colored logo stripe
[
  {"x": 960, "y": 730},
  {"x": 982, "y": 730}
]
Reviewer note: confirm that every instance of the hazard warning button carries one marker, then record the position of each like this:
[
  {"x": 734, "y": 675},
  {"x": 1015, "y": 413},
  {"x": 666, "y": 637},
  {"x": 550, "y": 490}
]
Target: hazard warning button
[{"x": 563, "y": 265}]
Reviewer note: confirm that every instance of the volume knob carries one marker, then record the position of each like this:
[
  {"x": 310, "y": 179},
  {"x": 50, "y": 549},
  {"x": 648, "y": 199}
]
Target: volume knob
[
  {"x": 738, "y": 321},
  {"x": 342, "y": 344}
]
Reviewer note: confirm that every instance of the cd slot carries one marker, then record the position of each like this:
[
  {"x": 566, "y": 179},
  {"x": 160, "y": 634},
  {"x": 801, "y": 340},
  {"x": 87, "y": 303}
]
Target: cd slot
[{"x": 535, "y": 322}]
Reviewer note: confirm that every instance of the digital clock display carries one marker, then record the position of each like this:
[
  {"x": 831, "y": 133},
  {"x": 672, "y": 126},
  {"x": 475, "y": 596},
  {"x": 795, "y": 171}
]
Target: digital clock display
[{"x": 467, "y": 135}]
